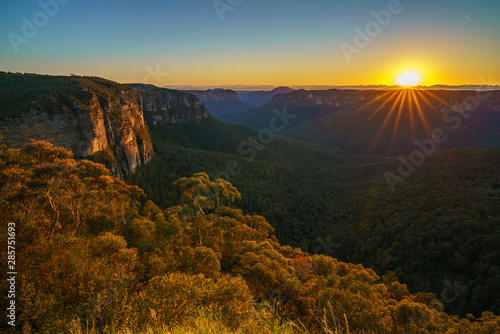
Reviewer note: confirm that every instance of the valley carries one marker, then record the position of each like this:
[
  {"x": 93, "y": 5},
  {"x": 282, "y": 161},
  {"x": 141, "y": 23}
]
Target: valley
[{"x": 436, "y": 229}]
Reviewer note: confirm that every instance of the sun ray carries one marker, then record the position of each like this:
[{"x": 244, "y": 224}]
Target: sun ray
[
  {"x": 379, "y": 108},
  {"x": 398, "y": 118},
  {"x": 376, "y": 111},
  {"x": 421, "y": 113},
  {"x": 412, "y": 116},
  {"x": 388, "y": 117},
  {"x": 375, "y": 100},
  {"x": 437, "y": 98},
  {"x": 407, "y": 110},
  {"x": 424, "y": 98}
]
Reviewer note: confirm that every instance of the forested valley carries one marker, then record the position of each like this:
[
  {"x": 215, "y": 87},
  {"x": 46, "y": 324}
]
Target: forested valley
[
  {"x": 438, "y": 231},
  {"x": 96, "y": 255}
]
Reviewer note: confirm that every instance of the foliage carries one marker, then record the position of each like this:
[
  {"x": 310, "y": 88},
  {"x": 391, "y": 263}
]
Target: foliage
[
  {"x": 22, "y": 92},
  {"x": 438, "y": 231},
  {"x": 111, "y": 264}
]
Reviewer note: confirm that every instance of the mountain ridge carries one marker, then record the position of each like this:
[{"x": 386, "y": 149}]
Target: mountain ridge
[
  {"x": 261, "y": 97},
  {"x": 221, "y": 101},
  {"x": 383, "y": 122},
  {"x": 90, "y": 116}
]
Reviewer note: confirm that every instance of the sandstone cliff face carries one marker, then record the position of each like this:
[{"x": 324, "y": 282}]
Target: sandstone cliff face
[
  {"x": 332, "y": 97},
  {"x": 170, "y": 106},
  {"x": 388, "y": 123},
  {"x": 221, "y": 101},
  {"x": 103, "y": 119},
  {"x": 261, "y": 97},
  {"x": 216, "y": 95},
  {"x": 359, "y": 98}
]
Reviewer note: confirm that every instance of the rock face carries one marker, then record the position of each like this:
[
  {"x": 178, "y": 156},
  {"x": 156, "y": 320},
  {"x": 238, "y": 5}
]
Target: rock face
[
  {"x": 332, "y": 97},
  {"x": 261, "y": 97},
  {"x": 217, "y": 94},
  {"x": 221, "y": 101},
  {"x": 91, "y": 117},
  {"x": 383, "y": 122},
  {"x": 163, "y": 105}
]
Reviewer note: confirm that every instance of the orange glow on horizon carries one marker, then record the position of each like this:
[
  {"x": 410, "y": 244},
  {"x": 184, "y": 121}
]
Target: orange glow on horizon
[{"x": 409, "y": 78}]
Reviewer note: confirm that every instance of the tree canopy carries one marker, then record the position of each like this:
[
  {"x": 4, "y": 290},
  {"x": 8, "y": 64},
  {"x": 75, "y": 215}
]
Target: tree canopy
[{"x": 93, "y": 250}]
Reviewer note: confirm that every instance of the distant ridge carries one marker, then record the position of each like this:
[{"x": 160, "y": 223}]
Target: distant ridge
[
  {"x": 261, "y": 97},
  {"x": 256, "y": 88},
  {"x": 383, "y": 122},
  {"x": 221, "y": 101}
]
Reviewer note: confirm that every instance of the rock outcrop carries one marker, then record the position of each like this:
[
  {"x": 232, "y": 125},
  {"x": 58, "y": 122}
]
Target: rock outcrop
[
  {"x": 217, "y": 94},
  {"x": 261, "y": 97},
  {"x": 92, "y": 117},
  {"x": 171, "y": 106},
  {"x": 383, "y": 122},
  {"x": 89, "y": 116},
  {"x": 221, "y": 101}
]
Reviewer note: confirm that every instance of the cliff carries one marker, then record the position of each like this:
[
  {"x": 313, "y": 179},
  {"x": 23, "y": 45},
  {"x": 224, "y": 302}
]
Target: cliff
[
  {"x": 163, "y": 105},
  {"x": 261, "y": 97},
  {"x": 331, "y": 97},
  {"x": 217, "y": 94},
  {"x": 378, "y": 122},
  {"x": 221, "y": 101},
  {"x": 92, "y": 117}
]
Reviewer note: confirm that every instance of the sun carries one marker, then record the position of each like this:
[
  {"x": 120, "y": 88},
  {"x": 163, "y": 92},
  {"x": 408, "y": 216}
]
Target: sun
[{"x": 409, "y": 78}]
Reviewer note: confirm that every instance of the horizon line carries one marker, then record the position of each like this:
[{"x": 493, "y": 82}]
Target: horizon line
[{"x": 242, "y": 87}]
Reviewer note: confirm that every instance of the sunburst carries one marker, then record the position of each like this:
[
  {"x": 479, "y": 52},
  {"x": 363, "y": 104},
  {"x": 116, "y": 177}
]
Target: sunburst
[
  {"x": 409, "y": 79},
  {"x": 393, "y": 105}
]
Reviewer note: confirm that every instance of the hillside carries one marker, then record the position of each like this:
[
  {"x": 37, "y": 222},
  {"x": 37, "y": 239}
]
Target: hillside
[
  {"x": 328, "y": 202},
  {"x": 119, "y": 265},
  {"x": 92, "y": 117},
  {"x": 384, "y": 122},
  {"x": 221, "y": 101},
  {"x": 87, "y": 115},
  {"x": 430, "y": 217},
  {"x": 261, "y": 97},
  {"x": 170, "y": 106}
]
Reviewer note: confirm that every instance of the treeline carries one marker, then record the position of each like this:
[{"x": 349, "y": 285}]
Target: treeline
[
  {"x": 21, "y": 92},
  {"x": 438, "y": 231},
  {"x": 91, "y": 254}
]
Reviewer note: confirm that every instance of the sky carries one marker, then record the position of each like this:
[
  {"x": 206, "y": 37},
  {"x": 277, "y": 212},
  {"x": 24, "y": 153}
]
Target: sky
[{"x": 255, "y": 42}]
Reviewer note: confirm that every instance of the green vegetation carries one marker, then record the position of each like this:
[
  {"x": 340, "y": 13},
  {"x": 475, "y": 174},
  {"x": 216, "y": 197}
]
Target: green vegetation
[
  {"x": 93, "y": 259},
  {"x": 149, "y": 90},
  {"x": 439, "y": 231},
  {"x": 22, "y": 92},
  {"x": 387, "y": 123},
  {"x": 98, "y": 255}
]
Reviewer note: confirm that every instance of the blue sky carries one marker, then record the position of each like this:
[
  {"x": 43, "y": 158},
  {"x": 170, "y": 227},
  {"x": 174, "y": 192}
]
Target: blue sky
[{"x": 267, "y": 42}]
